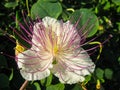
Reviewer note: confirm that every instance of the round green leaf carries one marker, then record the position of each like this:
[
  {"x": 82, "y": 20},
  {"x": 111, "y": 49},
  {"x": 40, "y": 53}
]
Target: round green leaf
[
  {"x": 99, "y": 73},
  {"x": 108, "y": 73},
  {"x": 45, "y": 8},
  {"x": 87, "y": 20}
]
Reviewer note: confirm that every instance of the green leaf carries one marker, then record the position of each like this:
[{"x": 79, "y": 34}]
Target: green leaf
[
  {"x": 65, "y": 16},
  {"x": 118, "y": 9},
  {"x": 11, "y": 75},
  {"x": 119, "y": 59},
  {"x": 45, "y": 8},
  {"x": 11, "y": 4},
  {"x": 50, "y": 0},
  {"x": 87, "y": 79},
  {"x": 107, "y": 6},
  {"x": 4, "y": 81},
  {"x": 108, "y": 73},
  {"x": 47, "y": 81},
  {"x": 99, "y": 73},
  {"x": 117, "y": 2},
  {"x": 102, "y": 2},
  {"x": 77, "y": 87},
  {"x": 56, "y": 87},
  {"x": 3, "y": 62},
  {"x": 87, "y": 19},
  {"x": 37, "y": 86}
]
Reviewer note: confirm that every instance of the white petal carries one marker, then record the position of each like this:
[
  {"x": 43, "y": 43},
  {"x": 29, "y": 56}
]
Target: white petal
[
  {"x": 42, "y": 30},
  {"x": 52, "y": 24},
  {"x": 65, "y": 76},
  {"x": 35, "y": 76},
  {"x": 71, "y": 78},
  {"x": 36, "y": 39},
  {"x": 70, "y": 32},
  {"x": 63, "y": 32},
  {"x": 80, "y": 60},
  {"x": 34, "y": 67},
  {"x": 72, "y": 69}
]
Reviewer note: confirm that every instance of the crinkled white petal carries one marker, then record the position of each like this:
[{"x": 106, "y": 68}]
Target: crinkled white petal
[
  {"x": 35, "y": 76},
  {"x": 69, "y": 30},
  {"x": 52, "y": 24},
  {"x": 79, "y": 59},
  {"x": 66, "y": 76},
  {"x": 72, "y": 69},
  {"x": 34, "y": 67},
  {"x": 71, "y": 78},
  {"x": 63, "y": 32},
  {"x": 36, "y": 38},
  {"x": 42, "y": 30}
]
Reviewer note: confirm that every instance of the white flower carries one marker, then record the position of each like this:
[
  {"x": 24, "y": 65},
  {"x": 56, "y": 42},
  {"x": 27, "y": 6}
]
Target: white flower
[{"x": 56, "y": 48}]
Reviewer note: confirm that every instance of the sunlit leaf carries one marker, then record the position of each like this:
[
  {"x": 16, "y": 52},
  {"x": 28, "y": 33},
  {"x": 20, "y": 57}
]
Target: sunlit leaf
[
  {"x": 117, "y": 2},
  {"x": 88, "y": 20},
  {"x": 107, "y": 6},
  {"x": 118, "y": 9},
  {"x": 11, "y": 4},
  {"x": 44, "y": 8}
]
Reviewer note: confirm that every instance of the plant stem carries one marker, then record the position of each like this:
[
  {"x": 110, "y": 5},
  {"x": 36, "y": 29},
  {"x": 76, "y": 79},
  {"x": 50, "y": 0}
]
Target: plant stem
[
  {"x": 24, "y": 85},
  {"x": 27, "y": 8}
]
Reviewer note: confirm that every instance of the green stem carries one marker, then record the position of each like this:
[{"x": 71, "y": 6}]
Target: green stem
[{"x": 27, "y": 8}]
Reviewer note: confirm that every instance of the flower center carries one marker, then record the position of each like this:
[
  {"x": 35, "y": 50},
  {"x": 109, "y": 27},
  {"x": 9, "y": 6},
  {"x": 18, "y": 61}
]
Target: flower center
[
  {"x": 55, "y": 50},
  {"x": 55, "y": 53}
]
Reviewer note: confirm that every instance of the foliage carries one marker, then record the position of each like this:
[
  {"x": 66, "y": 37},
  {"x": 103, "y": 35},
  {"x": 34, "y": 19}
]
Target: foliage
[{"x": 103, "y": 16}]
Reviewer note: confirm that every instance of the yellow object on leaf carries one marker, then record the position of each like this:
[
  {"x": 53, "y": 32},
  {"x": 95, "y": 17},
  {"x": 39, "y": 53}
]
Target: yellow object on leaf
[
  {"x": 18, "y": 48},
  {"x": 98, "y": 85}
]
